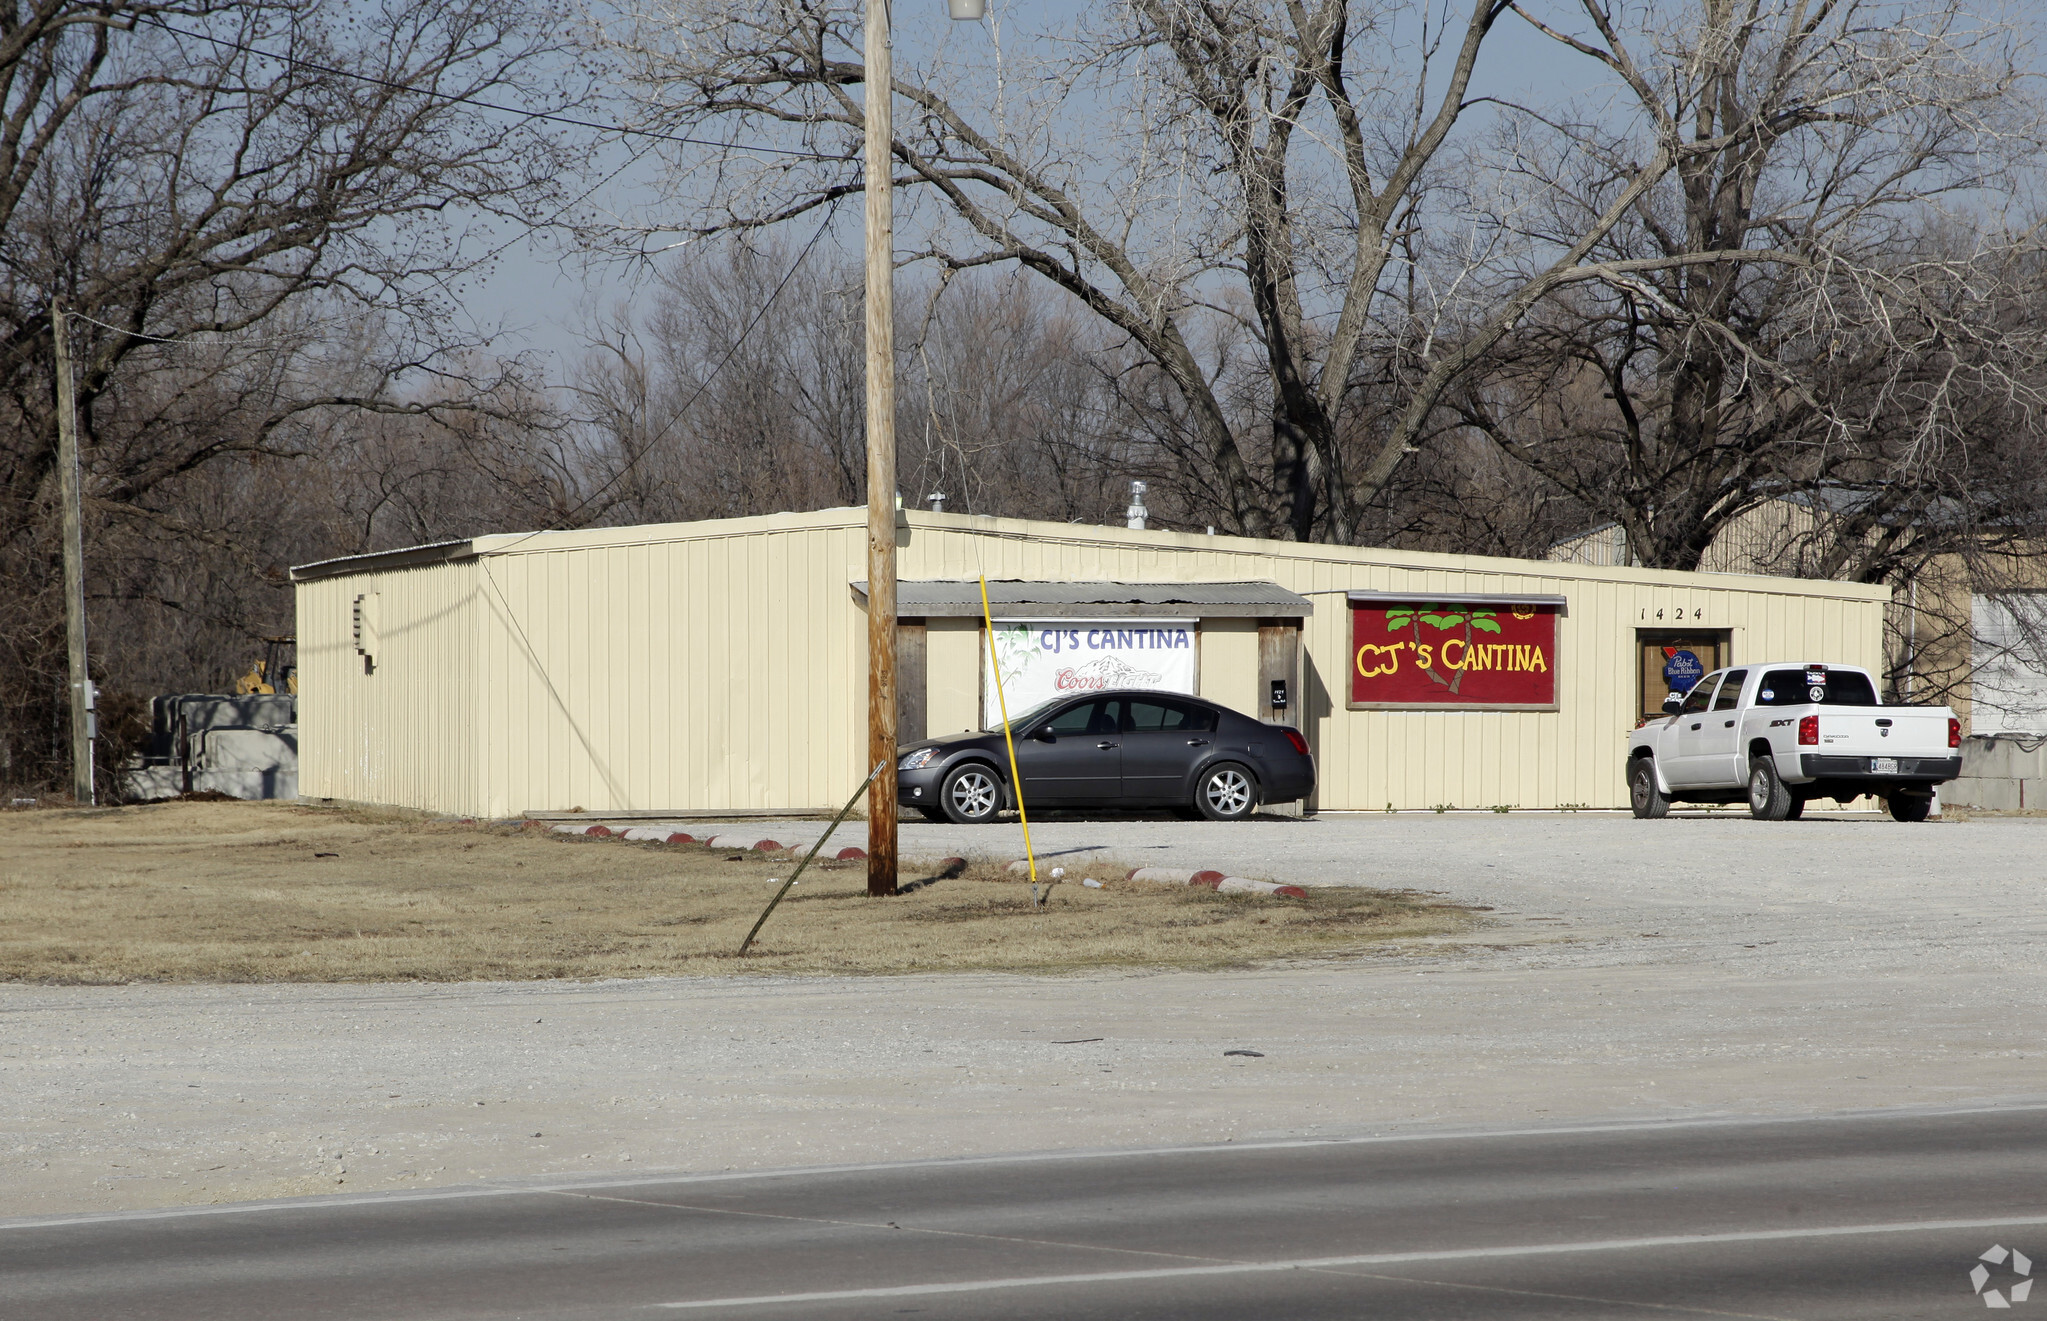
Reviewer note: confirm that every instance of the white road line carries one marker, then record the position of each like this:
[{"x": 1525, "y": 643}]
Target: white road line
[
  {"x": 1368, "y": 1259},
  {"x": 654, "y": 1179}
]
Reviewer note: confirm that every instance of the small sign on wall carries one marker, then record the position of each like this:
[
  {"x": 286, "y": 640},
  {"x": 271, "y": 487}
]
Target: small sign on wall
[
  {"x": 1462, "y": 655},
  {"x": 1047, "y": 658}
]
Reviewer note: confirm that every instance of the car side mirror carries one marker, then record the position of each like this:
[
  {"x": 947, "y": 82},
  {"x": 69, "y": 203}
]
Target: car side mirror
[
  {"x": 1044, "y": 734},
  {"x": 1672, "y": 701}
]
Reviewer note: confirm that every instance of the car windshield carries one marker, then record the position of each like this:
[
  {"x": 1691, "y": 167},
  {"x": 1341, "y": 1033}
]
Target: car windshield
[
  {"x": 1836, "y": 688},
  {"x": 1032, "y": 718}
]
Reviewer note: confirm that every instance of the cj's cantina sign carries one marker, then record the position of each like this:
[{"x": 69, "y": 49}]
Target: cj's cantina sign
[{"x": 1468, "y": 655}]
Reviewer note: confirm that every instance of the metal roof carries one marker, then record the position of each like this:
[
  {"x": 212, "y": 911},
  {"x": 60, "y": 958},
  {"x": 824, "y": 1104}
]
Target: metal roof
[
  {"x": 406, "y": 557},
  {"x": 1014, "y": 598},
  {"x": 1562, "y": 603}
]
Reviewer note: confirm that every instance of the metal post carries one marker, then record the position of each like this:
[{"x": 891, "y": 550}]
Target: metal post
[
  {"x": 881, "y": 455},
  {"x": 73, "y": 533}
]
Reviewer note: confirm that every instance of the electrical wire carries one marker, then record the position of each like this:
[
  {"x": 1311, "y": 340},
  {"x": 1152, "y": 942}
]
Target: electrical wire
[
  {"x": 70, "y": 315},
  {"x": 294, "y": 62},
  {"x": 633, "y": 460}
]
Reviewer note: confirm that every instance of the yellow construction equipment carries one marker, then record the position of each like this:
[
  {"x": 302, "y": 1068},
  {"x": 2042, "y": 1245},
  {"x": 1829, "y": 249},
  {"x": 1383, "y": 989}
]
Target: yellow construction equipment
[{"x": 279, "y": 663}]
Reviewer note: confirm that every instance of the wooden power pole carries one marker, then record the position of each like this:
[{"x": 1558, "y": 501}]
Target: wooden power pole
[
  {"x": 73, "y": 531},
  {"x": 881, "y": 455}
]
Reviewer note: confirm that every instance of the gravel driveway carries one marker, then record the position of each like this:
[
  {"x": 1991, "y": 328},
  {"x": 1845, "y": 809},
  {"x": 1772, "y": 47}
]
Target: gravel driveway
[{"x": 1701, "y": 964}]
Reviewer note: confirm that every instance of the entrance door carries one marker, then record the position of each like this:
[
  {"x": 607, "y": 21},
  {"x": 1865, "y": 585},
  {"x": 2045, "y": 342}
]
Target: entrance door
[
  {"x": 1672, "y": 661},
  {"x": 1075, "y": 757}
]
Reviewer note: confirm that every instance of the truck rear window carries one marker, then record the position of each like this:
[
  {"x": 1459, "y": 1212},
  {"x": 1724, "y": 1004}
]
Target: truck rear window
[{"x": 1789, "y": 688}]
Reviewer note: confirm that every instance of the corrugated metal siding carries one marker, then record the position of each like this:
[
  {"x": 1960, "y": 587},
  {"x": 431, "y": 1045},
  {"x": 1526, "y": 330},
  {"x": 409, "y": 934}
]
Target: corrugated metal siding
[
  {"x": 701, "y": 666},
  {"x": 1416, "y": 759},
  {"x": 405, "y": 733},
  {"x": 716, "y": 666}
]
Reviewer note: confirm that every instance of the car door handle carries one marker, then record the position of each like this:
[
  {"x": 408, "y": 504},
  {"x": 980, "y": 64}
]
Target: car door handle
[
  {"x": 1727, "y": 724},
  {"x": 1105, "y": 745},
  {"x": 1197, "y": 742},
  {"x": 1695, "y": 725}
]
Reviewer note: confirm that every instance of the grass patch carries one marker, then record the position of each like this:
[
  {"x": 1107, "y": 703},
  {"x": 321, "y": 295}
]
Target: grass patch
[{"x": 234, "y": 892}]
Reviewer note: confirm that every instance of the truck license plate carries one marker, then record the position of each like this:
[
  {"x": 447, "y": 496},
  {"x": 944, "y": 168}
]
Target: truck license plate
[{"x": 1883, "y": 765}]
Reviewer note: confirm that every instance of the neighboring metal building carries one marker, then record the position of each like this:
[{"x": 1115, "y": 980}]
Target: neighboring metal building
[{"x": 720, "y": 666}]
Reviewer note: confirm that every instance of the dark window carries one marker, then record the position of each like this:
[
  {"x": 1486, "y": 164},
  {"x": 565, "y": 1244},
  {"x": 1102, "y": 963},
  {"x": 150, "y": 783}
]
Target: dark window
[
  {"x": 1086, "y": 718},
  {"x": 1730, "y": 690},
  {"x": 1789, "y": 688},
  {"x": 1701, "y": 693},
  {"x": 1163, "y": 716}
]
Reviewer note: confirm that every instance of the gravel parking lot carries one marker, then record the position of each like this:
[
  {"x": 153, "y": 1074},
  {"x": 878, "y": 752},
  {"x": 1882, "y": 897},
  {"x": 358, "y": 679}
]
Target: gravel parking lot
[
  {"x": 1587, "y": 888},
  {"x": 1701, "y": 964}
]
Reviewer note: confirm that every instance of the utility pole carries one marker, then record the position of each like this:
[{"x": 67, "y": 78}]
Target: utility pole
[
  {"x": 74, "y": 564},
  {"x": 881, "y": 454}
]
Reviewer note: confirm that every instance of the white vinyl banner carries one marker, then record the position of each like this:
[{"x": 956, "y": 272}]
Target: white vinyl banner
[{"x": 1041, "y": 659}]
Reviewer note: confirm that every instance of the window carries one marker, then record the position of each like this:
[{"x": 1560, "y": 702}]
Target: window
[
  {"x": 1701, "y": 693},
  {"x": 1086, "y": 718},
  {"x": 1164, "y": 717},
  {"x": 1789, "y": 688},
  {"x": 1730, "y": 690}
]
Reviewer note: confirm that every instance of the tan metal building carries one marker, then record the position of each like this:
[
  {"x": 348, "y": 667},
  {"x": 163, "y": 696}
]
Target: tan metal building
[{"x": 720, "y": 666}]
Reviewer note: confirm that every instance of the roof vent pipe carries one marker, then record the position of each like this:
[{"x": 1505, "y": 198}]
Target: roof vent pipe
[
  {"x": 937, "y": 501},
  {"x": 1135, "y": 515}
]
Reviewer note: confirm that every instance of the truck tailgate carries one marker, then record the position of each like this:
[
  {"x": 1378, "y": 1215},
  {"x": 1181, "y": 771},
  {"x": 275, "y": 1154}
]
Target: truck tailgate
[{"x": 1888, "y": 731}]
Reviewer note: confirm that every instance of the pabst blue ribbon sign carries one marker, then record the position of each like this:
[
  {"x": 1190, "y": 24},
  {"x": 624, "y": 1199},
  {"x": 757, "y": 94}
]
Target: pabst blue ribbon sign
[
  {"x": 1497, "y": 657},
  {"x": 1047, "y": 658}
]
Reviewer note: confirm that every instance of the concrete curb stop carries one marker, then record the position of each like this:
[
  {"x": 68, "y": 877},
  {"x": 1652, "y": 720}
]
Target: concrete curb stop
[
  {"x": 1239, "y": 885},
  {"x": 741, "y": 842},
  {"x": 1176, "y": 876},
  {"x": 1207, "y": 879}
]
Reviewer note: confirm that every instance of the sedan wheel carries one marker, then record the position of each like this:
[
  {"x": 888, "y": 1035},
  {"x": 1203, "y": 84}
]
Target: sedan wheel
[
  {"x": 1226, "y": 793},
  {"x": 971, "y": 795}
]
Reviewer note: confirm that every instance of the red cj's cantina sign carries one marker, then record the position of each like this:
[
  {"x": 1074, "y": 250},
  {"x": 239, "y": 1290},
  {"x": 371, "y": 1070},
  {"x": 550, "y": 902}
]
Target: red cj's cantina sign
[{"x": 1472, "y": 655}]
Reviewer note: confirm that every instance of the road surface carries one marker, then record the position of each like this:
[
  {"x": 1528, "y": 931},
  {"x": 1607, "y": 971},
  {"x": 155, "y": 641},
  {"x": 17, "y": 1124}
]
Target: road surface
[{"x": 1859, "y": 1216}]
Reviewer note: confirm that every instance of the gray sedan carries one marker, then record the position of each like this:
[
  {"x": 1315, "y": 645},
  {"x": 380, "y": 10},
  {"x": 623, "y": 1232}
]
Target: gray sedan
[{"x": 1112, "y": 749}]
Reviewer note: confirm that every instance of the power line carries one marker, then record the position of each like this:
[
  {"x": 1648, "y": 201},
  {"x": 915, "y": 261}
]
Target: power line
[
  {"x": 633, "y": 460},
  {"x": 162, "y": 339},
  {"x": 552, "y": 118}
]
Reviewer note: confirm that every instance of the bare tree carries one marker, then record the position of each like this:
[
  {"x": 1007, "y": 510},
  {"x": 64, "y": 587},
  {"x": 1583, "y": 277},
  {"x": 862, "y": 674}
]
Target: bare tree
[
  {"x": 1164, "y": 163},
  {"x": 738, "y": 389},
  {"x": 256, "y": 212},
  {"x": 1816, "y": 303}
]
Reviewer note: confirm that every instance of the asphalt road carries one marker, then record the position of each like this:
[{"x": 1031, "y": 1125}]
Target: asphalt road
[{"x": 1864, "y": 1217}]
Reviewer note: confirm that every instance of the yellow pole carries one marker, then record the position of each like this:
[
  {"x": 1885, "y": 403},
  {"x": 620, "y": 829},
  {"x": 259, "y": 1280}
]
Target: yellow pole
[{"x": 1008, "y": 739}]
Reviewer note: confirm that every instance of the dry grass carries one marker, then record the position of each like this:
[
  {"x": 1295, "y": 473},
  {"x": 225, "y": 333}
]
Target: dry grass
[{"x": 238, "y": 892}]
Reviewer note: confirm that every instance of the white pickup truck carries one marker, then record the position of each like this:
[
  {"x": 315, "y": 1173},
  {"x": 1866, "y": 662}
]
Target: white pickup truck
[{"x": 1786, "y": 732}]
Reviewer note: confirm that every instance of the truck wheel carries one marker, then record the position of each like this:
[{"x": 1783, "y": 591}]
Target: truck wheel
[
  {"x": 1643, "y": 795},
  {"x": 971, "y": 795},
  {"x": 1911, "y": 807},
  {"x": 1768, "y": 799},
  {"x": 1797, "y": 808}
]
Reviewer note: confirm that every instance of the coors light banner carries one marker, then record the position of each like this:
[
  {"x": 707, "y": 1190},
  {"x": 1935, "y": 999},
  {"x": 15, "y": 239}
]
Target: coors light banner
[{"x": 1047, "y": 658}]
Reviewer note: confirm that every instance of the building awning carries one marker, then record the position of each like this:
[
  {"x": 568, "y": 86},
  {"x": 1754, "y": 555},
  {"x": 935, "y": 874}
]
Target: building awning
[
  {"x": 1561, "y": 603},
  {"x": 1013, "y": 599}
]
